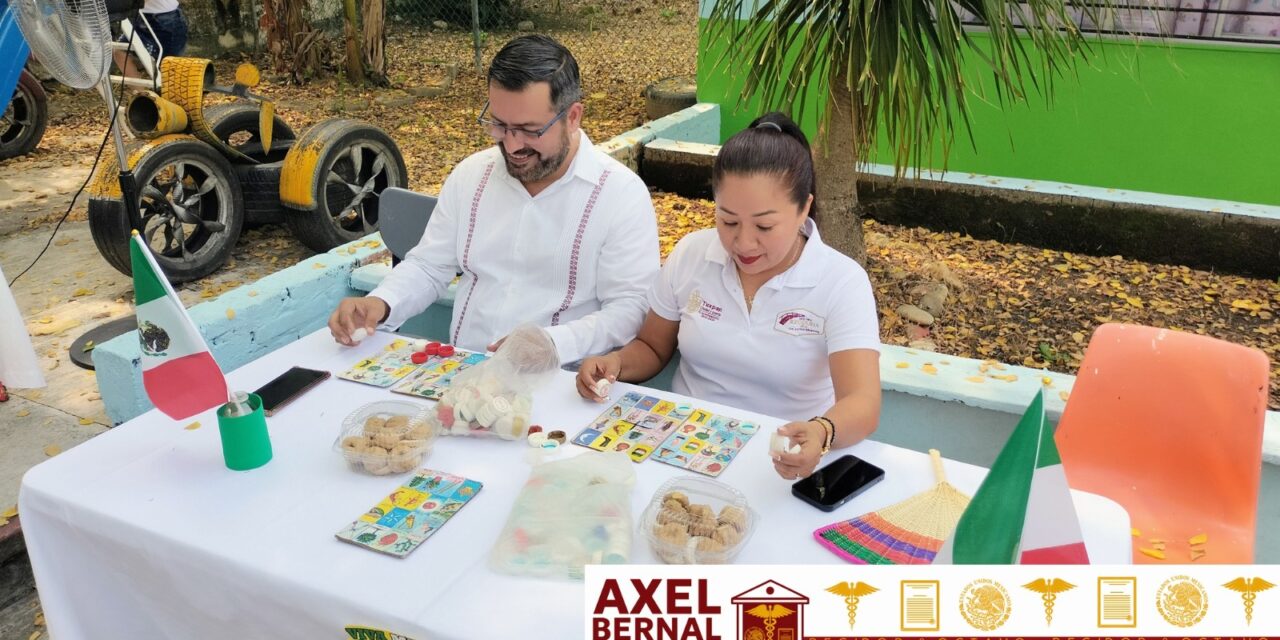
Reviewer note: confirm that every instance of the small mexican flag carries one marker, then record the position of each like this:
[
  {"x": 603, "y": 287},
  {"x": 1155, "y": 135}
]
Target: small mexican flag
[
  {"x": 180, "y": 375},
  {"x": 1022, "y": 513}
]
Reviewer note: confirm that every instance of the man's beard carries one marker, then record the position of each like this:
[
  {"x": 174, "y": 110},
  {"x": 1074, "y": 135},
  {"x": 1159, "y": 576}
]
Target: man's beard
[{"x": 541, "y": 167}]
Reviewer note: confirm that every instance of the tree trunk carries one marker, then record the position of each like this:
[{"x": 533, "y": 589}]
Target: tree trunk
[
  {"x": 836, "y": 163},
  {"x": 351, "y": 31},
  {"x": 291, "y": 42},
  {"x": 374, "y": 22}
]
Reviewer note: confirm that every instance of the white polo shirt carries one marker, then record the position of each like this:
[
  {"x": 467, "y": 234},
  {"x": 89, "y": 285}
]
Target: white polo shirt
[
  {"x": 773, "y": 360},
  {"x": 576, "y": 259}
]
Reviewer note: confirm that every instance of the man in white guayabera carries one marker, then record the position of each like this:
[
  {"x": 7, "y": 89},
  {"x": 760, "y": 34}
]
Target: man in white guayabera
[{"x": 543, "y": 227}]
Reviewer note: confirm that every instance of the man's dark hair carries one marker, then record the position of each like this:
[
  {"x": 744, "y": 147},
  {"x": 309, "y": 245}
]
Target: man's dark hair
[{"x": 538, "y": 58}]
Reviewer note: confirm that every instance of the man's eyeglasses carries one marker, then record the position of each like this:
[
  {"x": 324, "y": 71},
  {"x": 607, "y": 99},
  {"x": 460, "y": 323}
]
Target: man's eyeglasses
[{"x": 499, "y": 131}]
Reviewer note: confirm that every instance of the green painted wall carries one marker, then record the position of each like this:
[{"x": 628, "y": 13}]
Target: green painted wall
[{"x": 1179, "y": 118}]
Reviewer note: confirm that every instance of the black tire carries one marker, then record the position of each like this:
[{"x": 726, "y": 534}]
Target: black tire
[
  {"x": 237, "y": 124},
  {"x": 260, "y": 191},
  {"x": 213, "y": 219},
  {"x": 25, "y": 118},
  {"x": 670, "y": 95},
  {"x": 342, "y": 214}
]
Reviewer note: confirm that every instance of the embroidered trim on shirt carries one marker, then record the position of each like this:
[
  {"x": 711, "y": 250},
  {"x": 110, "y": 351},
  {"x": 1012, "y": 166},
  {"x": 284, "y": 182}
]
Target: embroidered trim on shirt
[
  {"x": 577, "y": 248},
  {"x": 466, "y": 250}
]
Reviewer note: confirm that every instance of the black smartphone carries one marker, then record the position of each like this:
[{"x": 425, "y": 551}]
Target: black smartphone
[
  {"x": 287, "y": 387},
  {"x": 838, "y": 482}
]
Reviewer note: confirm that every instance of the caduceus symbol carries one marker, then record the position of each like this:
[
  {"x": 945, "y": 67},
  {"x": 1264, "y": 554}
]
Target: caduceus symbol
[
  {"x": 770, "y": 615},
  {"x": 1048, "y": 590},
  {"x": 1248, "y": 588},
  {"x": 851, "y": 591}
]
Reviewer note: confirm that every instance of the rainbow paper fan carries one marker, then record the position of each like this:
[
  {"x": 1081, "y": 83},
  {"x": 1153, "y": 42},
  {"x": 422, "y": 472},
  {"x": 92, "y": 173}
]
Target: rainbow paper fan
[{"x": 909, "y": 532}]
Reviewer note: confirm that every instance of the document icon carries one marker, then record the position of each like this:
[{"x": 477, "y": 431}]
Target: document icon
[
  {"x": 1117, "y": 602},
  {"x": 920, "y": 605}
]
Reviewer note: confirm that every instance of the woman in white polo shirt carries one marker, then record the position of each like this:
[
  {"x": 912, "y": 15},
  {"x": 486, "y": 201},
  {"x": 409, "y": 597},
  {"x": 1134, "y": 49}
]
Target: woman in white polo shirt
[{"x": 767, "y": 317}]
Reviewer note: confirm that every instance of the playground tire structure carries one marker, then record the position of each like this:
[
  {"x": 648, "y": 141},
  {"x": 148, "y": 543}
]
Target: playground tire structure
[
  {"x": 236, "y": 124},
  {"x": 191, "y": 207},
  {"x": 204, "y": 174},
  {"x": 25, "y": 118},
  {"x": 332, "y": 179}
]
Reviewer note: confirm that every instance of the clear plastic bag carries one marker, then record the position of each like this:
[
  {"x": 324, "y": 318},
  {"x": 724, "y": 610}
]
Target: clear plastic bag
[
  {"x": 495, "y": 397},
  {"x": 571, "y": 513}
]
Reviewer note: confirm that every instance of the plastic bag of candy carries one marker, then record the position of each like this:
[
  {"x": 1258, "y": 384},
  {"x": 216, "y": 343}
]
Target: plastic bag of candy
[
  {"x": 495, "y": 397},
  {"x": 571, "y": 513}
]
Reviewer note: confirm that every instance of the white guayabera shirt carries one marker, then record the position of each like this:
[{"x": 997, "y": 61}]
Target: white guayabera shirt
[{"x": 577, "y": 259}]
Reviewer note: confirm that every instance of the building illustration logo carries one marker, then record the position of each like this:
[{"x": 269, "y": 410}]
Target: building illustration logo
[
  {"x": 851, "y": 592},
  {"x": 770, "y": 611},
  {"x": 985, "y": 604},
  {"x": 1249, "y": 589},
  {"x": 1048, "y": 588},
  {"x": 1182, "y": 601}
]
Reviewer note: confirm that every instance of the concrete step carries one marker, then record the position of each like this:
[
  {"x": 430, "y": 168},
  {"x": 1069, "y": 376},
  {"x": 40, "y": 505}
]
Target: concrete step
[{"x": 18, "y": 601}]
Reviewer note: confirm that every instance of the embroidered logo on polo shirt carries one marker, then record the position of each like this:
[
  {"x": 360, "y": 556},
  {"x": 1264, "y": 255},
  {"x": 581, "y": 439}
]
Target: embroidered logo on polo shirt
[
  {"x": 799, "y": 322},
  {"x": 696, "y": 305}
]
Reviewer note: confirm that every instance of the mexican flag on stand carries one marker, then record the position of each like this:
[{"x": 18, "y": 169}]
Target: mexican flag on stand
[
  {"x": 1022, "y": 513},
  {"x": 180, "y": 375}
]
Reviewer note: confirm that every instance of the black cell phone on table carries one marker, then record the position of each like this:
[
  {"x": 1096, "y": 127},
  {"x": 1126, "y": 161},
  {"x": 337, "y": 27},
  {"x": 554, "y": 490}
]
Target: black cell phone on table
[
  {"x": 287, "y": 387},
  {"x": 838, "y": 482}
]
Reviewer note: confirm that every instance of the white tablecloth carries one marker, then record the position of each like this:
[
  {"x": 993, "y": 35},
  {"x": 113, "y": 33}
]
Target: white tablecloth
[{"x": 143, "y": 533}]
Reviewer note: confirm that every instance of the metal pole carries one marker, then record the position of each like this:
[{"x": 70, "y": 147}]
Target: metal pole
[
  {"x": 475, "y": 30},
  {"x": 128, "y": 185}
]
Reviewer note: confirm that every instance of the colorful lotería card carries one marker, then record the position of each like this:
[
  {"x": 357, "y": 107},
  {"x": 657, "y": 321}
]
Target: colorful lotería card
[
  {"x": 412, "y": 513},
  {"x": 437, "y": 372},
  {"x": 672, "y": 432},
  {"x": 385, "y": 369}
]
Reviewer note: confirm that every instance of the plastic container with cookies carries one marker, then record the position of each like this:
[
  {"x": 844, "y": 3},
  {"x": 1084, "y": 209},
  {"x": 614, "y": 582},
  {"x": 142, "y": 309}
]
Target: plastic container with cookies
[
  {"x": 697, "y": 521},
  {"x": 387, "y": 437}
]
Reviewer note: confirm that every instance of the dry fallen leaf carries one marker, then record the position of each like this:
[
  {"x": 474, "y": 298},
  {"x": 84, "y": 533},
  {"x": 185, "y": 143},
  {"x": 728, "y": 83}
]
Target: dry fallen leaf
[
  {"x": 193, "y": 426},
  {"x": 10, "y": 512},
  {"x": 1064, "y": 395},
  {"x": 231, "y": 314},
  {"x": 23, "y": 413},
  {"x": 52, "y": 450},
  {"x": 1199, "y": 539},
  {"x": 86, "y": 421},
  {"x": 1152, "y": 553},
  {"x": 902, "y": 365},
  {"x": 979, "y": 379},
  {"x": 929, "y": 369}
]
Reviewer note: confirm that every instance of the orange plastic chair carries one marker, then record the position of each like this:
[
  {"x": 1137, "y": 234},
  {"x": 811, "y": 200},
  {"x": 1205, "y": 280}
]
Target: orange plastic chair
[{"x": 1169, "y": 425}]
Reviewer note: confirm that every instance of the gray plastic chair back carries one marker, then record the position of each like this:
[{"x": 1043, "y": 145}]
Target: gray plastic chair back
[{"x": 404, "y": 215}]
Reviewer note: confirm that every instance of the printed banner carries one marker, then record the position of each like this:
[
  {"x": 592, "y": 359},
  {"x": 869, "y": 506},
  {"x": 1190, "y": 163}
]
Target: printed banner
[{"x": 773, "y": 602}]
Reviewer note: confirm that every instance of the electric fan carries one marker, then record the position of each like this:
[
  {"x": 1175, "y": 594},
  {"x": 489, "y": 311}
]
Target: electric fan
[{"x": 72, "y": 39}]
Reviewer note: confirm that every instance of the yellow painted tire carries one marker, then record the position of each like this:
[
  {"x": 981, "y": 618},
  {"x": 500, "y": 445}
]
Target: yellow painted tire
[
  {"x": 332, "y": 179},
  {"x": 211, "y": 210}
]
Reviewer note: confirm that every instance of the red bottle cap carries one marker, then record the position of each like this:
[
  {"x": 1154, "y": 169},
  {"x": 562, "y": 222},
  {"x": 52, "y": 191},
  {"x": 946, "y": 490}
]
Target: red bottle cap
[
  {"x": 418, "y": 357},
  {"x": 433, "y": 348},
  {"x": 445, "y": 350},
  {"x": 535, "y": 429}
]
